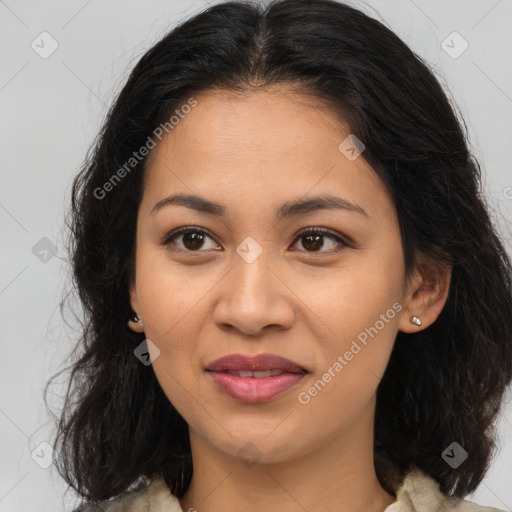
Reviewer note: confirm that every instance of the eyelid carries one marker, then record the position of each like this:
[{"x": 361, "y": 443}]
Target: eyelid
[{"x": 344, "y": 241}]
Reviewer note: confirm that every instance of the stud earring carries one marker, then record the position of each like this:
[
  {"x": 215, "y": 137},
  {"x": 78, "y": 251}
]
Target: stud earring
[
  {"x": 415, "y": 320},
  {"x": 134, "y": 319}
]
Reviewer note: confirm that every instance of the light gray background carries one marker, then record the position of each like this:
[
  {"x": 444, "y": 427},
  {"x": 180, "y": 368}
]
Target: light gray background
[{"x": 51, "y": 109}]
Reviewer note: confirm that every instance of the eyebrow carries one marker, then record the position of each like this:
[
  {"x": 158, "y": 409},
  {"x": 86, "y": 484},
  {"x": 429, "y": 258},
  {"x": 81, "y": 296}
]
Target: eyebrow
[{"x": 286, "y": 210}]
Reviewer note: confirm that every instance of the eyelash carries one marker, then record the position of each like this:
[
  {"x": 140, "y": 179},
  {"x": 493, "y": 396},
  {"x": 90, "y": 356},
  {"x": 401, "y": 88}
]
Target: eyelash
[{"x": 168, "y": 238}]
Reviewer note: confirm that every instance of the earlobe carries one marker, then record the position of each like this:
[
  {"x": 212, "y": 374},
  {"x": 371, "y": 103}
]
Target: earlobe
[
  {"x": 135, "y": 323},
  {"x": 426, "y": 299}
]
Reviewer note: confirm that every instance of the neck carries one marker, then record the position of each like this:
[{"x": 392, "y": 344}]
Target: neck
[{"x": 339, "y": 474}]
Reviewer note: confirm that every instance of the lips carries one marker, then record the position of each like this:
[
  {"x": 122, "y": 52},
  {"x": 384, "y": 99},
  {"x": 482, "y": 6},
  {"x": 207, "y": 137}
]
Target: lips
[
  {"x": 255, "y": 378},
  {"x": 257, "y": 363}
]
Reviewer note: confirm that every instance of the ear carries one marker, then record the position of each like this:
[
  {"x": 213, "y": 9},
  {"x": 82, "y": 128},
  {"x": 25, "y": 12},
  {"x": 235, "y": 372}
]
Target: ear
[
  {"x": 426, "y": 295},
  {"x": 134, "y": 301}
]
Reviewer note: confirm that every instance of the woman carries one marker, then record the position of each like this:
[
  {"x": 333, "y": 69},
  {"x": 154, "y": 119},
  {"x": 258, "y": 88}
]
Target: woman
[{"x": 295, "y": 298}]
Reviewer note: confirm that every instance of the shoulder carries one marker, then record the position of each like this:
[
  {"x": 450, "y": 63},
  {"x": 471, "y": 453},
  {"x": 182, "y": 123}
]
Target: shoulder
[
  {"x": 419, "y": 492},
  {"x": 153, "y": 495}
]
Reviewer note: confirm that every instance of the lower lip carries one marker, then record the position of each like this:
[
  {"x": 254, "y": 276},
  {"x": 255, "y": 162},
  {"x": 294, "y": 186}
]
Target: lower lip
[{"x": 253, "y": 389}]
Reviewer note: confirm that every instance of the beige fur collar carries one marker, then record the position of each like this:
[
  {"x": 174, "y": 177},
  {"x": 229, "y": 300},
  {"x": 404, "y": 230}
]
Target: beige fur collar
[{"x": 417, "y": 493}]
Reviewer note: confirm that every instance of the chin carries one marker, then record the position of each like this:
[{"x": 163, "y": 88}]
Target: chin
[{"x": 252, "y": 446}]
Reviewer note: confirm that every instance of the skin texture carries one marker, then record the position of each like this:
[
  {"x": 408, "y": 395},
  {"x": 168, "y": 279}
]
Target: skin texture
[{"x": 252, "y": 153}]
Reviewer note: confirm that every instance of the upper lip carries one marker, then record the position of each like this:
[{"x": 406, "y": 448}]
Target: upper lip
[{"x": 259, "y": 362}]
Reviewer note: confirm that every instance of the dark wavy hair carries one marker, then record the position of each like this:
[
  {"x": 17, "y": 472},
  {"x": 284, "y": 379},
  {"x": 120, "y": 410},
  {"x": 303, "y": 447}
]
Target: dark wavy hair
[{"x": 443, "y": 384}]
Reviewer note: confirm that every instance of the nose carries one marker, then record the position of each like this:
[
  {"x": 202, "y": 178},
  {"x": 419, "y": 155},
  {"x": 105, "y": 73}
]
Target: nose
[{"x": 254, "y": 297}]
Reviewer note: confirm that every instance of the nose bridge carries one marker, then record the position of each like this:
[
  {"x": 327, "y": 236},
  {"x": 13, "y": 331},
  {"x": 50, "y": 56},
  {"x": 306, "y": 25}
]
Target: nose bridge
[
  {"x": 252, "y": 296},
  {"x": 252, "y": 276}
]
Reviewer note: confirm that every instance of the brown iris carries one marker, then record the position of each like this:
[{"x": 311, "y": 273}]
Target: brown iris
[
  {"x": 193, "y": 240},
  {"x": 313, "y": 242}
]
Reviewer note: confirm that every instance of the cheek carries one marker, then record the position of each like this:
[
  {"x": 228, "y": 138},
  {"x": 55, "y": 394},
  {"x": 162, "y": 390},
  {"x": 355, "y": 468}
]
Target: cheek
[
  {"x": 172, "y": 312},
  {"x": 170, "y": 295},
  {"x": 359, "y": 308},
  {"x": 174, "y": 305},
  {"x": 354, "y": 359},
  {"x": 346, "y": 300}
]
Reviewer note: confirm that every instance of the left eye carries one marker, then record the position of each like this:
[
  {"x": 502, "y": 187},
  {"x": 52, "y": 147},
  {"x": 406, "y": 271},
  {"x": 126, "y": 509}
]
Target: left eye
[
  {"x": 193, "y": 239},
  {"x": 314, "y": 239}
]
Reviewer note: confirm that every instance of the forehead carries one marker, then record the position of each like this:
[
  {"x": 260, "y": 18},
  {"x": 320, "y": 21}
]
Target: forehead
[
  {"x": 276, "y": 118},
  {"x": 274, "y": 144}
]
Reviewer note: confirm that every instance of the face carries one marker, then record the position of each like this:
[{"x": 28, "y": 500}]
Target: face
[{"x": 251, "y": 282}]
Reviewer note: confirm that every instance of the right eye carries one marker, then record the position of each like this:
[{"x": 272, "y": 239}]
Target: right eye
[{"x": 193, "y": 239}]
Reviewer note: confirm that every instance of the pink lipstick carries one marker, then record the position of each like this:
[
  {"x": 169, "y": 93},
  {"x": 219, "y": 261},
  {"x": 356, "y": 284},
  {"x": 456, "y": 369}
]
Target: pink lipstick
[{"x": 256, "y": 378}]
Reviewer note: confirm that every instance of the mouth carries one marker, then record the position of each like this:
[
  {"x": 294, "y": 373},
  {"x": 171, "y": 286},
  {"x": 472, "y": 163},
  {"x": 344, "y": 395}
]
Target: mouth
[
  {"x": 255, "y": 364},
  {"x": 256, "y": 374},
  {"x": 255, "y": 378}
]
